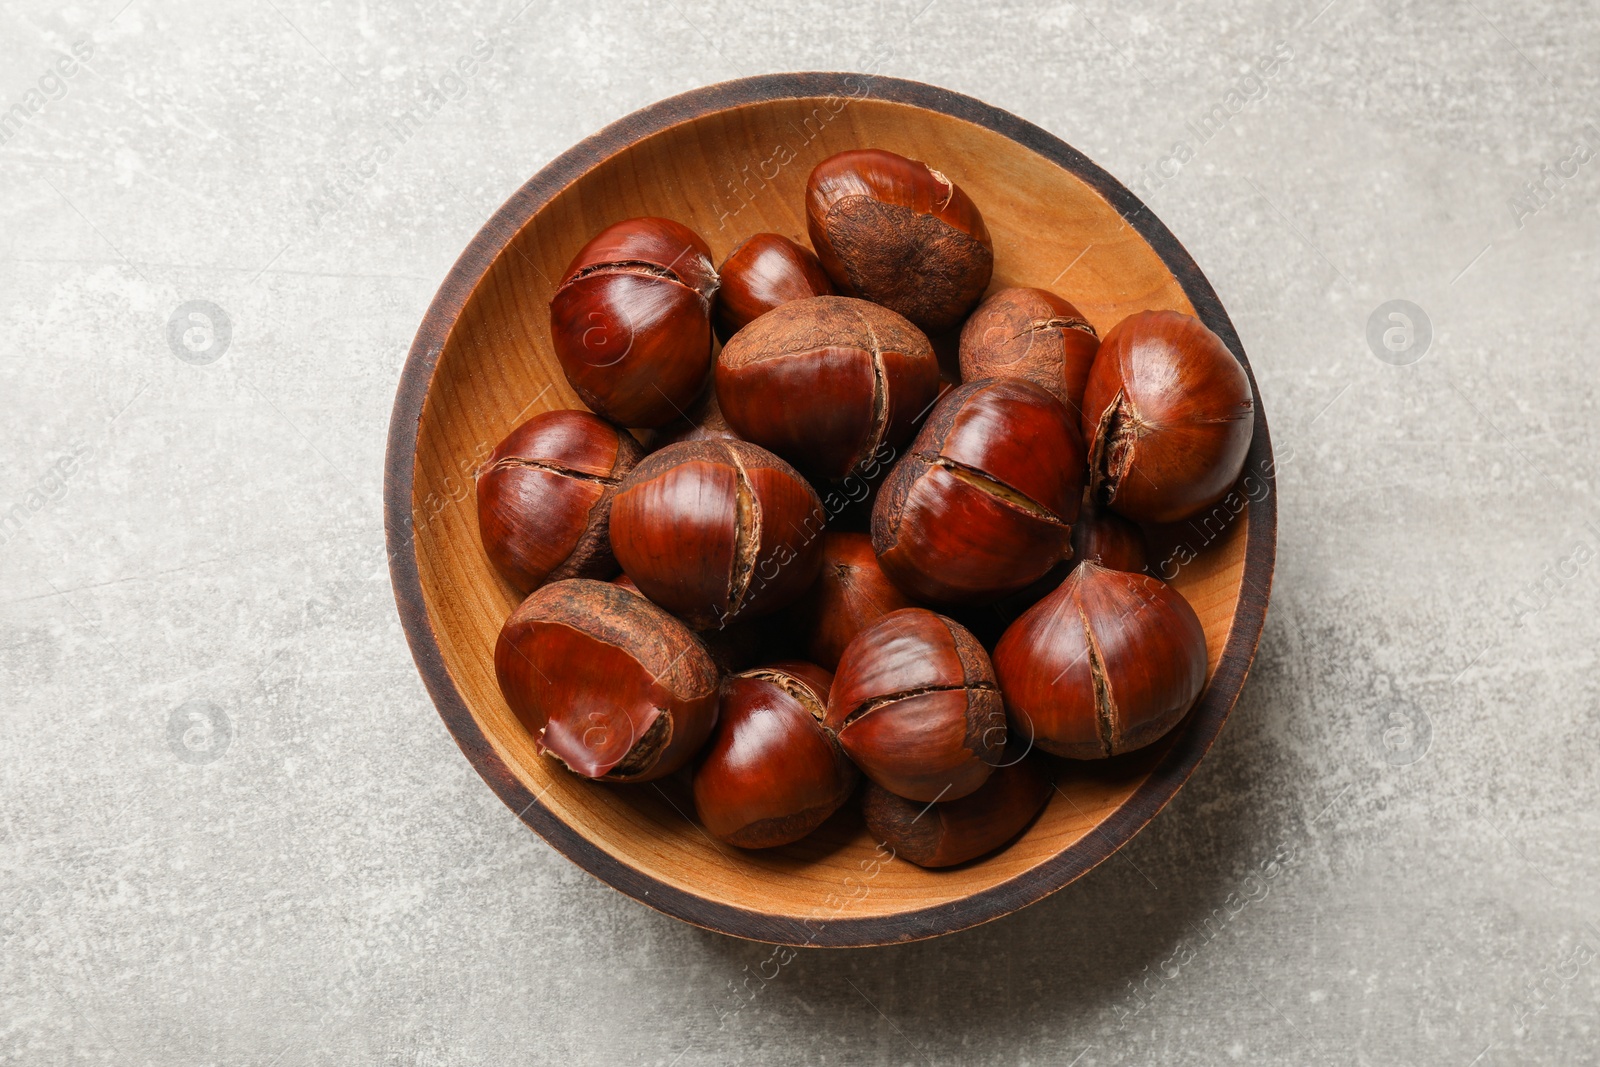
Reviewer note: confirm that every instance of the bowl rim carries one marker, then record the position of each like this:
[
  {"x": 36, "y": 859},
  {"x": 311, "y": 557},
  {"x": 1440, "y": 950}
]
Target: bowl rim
[{"x": 1173, "y": 769}]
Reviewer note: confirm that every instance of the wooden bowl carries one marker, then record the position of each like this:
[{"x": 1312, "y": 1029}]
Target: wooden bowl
[{"x": 730, "y": 160}]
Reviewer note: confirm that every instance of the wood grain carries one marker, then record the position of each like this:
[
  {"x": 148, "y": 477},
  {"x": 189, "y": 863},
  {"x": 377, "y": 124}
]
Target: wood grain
[{"x": 728, "y": 161}]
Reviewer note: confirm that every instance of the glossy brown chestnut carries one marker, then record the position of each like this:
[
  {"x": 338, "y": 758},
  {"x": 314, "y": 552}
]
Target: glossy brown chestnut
[
  {"x": 849, "y": 595},
  {"x": 914, "y": 704},
  {"x": 1106, "y": 664},
  {"x": 984, "y": 502},
  {"x": 955, "y": 831},
  {"x": 1167, "y": 414},
  {"x": 772, "y": 773},
  {"x": 1109, "y": 539},
  {"x": 544, "y": 498},
  {"x": 717, "y": 530},
  {"x": 1032, "y": 334},
  {"x": 631, "y": 320},
  {"x": 899, "y": 233},
  {"x": 605, "y": 681},
  {"x": 830, "y": 383},
  {"x": 762, "y": 272}
]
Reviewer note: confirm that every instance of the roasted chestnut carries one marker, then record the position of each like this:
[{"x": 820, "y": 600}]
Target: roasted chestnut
[
  {"x": 955, "y": 831},
  {"x": 631, "y": 320},
  {"x": 732, "y": 647},
  {"x": 849, "y": 595},
  {"x": 898, "y": 233},
  {"x": 605, "y": 681},
  {"x": 1109, "y": 539},
  {"x": 1106, "y": 664},
  {"x": 914, "y": 704},
  {"x": 717, "y": 530},
  {"x": 984, "y": 502},
  {"x": 1167, "y": 414},
  {"x": 544, "y": 498},
  {"x": 772, "y": 773},
  {"x": 830, "y": 383},
  {"x": 762, "y": 272},
  {"x": 1032, "y": 334}
]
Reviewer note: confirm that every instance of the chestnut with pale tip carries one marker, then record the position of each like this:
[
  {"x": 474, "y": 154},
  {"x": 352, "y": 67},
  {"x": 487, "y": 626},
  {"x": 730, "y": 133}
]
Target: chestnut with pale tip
[
  {"x": 1168, "y": 414},
  {"x": 955, "y": 831},
  {"x": 717, "y": 530},
  {"x": 833, "y": 384},
  {"x": 544, "y": 498},
  {"x": 899, "y": 233},
  {"x": 773, "y": 772},
  {"x": 631, "y": 320},
  {"x": 983, "y": 503},
  {"x": 915, "y": 705},
  {"x": 762, "y": 272},
  {"x": 605, "y": 681},
  {"x": 1032, "y": 334},
  {"x": 1107, "y": 663}
]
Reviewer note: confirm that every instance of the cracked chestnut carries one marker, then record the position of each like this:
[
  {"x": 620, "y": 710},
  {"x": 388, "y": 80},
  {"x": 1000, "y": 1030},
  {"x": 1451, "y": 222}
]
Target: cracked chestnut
[
  {"x": 732, "y": 647},
  {"x": 1168, "y": 415},
  {"x": 1107, "y": 663},
  {"x": 916, "y": 707},
  {"x": 899, "y": 233},
  {"x": 955, "y": 831},
  {"x": 1108, "y": 539},
  {"x": 717, "y": 530},
  {"x": 830, "y": 383},
  {"x": 544, "y": 498},
  {"x": 1032, "y": 334},
  {"x": 631, "y": 320},
  {"x": 605, "y": 681},
  {"x": 762, "y": 272},
  {"x": 850, "y": 594},
  {"x": 772, "y": 772},
  {"x": 983, "y": 504}
]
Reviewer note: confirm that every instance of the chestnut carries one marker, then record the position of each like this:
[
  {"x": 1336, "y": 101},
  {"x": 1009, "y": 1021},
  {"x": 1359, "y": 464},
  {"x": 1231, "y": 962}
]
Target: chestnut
[
  {"x": 544, "y": 498},
  {"x": 984, "y": 502},
  {"x": 1032, "y": 334},
  {"x": 1167, "y": 414},
  {"x": 762, "y": 272},
  {"x": 915, "y": 705},
  {"x": 631, "y": 320},
  {"x": 850, "y": 594},
  {"x": 899, "y": 233},
  {"x": 1108, "y": 539},
  {"x": 1107, "y": 663},
  {"x": 717, "y": 530},
  {"x": 772, "y": 773},
  {"x": 701, "y": 422},
  {"x": 830, "y": 383},
  {"x": 955, "y": 831},
  {"x": 605, "y": 681}
]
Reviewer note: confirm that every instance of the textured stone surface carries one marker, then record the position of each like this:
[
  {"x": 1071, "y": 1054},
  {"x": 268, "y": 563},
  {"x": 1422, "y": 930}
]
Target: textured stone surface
[{"x": 322, "y": 878}]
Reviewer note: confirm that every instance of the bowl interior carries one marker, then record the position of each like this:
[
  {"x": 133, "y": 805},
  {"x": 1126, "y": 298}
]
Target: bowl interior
[{"x": 728, "y": 174}]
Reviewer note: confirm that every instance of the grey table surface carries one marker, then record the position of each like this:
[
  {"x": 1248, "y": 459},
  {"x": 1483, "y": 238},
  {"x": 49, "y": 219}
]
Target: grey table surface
[{"x": 233, "y": 829}]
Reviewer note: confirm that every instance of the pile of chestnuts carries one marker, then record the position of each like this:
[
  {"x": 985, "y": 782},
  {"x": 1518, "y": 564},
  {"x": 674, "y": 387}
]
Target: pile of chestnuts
[{"x": 775, "y": 567}]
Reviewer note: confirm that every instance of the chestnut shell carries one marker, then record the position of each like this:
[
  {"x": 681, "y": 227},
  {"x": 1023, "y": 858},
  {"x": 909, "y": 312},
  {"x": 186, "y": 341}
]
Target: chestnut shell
[
  {"x": 850, "y": 594},
  {"x": 899, "y": 233},
  {"x": 1107, "y": 663},
  {"x": 1168, "y": 415},
  {"x": 605, "y": 681},
  {"x": 916, "y": 707},
  {"x": 544, "y": 498},
  {"x": 983, "y": 504},
  {"x": 772, "y": 772},
  {"x": 831, "y": 383},
  {"x": 631, "y": 320},
  {"x": 762, "y": 272},
  {"x": 717, "y": 530}
]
